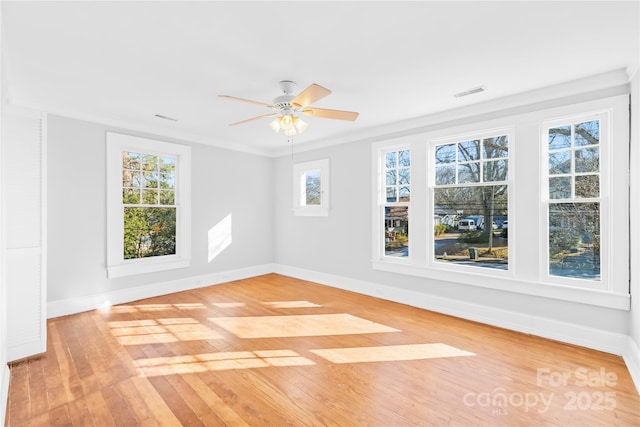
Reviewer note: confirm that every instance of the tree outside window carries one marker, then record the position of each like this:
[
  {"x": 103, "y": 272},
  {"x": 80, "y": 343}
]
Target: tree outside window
[{"x": 470, "y": 202}]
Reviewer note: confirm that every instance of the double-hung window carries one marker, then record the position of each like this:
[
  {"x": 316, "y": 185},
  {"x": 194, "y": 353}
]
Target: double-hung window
[
  {"x": 574, "y": 198},
  {"x": 396, "y": 198},
  {"x": 470, "y": 194},
  {"x": 148, "y": 205}
]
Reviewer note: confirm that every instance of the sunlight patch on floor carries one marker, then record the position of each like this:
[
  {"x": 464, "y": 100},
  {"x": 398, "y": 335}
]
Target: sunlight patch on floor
[
  {"x": 149, "y": 331},
  {"x": 299, "y": 326},
  {"x": 390, "y": 353},
  {"x": 189, "y": 364}
]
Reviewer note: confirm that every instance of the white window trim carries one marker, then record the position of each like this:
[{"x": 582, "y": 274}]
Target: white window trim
[
  {"x": 379, "y": 202},
  {"x": 431, "y": 262},
  {"x": 117, "y": 266},
  {"x": 525, "y": 255},
  {"x": 606, "y": 229},
  {"x": 299, "y": 170}
]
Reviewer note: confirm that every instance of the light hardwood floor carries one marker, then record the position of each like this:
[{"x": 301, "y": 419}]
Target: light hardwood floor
[{"x": 277, "y": 351}]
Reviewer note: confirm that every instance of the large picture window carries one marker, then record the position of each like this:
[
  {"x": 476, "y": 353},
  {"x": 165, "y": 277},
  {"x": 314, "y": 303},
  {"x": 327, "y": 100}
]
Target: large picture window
[
  {"x": 573, "y": 169},
  {"x": 471, "y": 200},
  {"x": 148, "y": 205}
]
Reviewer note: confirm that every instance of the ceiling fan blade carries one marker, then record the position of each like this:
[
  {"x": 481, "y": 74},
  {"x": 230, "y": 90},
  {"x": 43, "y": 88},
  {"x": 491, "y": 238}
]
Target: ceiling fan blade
[
  {"x": 331, "y": 114},
  {"x": 235, "y": 98},
  {"x": 253, "y": 118},
  {"x": 310, "y": 95}
]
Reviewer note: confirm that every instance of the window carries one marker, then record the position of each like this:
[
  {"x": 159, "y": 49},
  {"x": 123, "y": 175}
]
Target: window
[
  {"x": 545, "y": 215},
  {"x": 148, "y": 205},
  {"x": 471, "y": 201},
  {"x": 311, "y": 188},
  {"x": 397, "y": 195},
  {"x": 573, "y": 152}
]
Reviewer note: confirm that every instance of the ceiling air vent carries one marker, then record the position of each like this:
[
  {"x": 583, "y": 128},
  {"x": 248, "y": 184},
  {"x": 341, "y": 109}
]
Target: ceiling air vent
[{"x": 470, "y": 91}]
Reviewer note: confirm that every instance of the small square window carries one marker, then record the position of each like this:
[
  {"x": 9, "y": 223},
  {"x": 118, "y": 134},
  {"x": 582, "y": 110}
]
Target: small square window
[{"x": 311, "y": 188}]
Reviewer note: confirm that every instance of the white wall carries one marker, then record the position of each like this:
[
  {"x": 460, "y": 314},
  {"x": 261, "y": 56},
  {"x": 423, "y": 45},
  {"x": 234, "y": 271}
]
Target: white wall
[
  {"x": 632, "y": 357},
  {"x": 339, "y": 247},
  {"x": 224, "y": 183}
]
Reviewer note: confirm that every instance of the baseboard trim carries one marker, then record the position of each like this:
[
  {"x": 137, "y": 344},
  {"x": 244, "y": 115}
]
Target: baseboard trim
[
  {"x": 631, "y": 358},
  {"x": 91, "y": 302},
  {"x": 4, "y": 392},
  {"x": 553, "y": 329}
]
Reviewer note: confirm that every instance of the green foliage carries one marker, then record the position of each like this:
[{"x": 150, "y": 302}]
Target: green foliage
[
  {"x": 562, "y": 241},
  {"x": 439, "y": 229},
  {"x": 473, "y": 236},
  {"x": 149, "y": 231}
]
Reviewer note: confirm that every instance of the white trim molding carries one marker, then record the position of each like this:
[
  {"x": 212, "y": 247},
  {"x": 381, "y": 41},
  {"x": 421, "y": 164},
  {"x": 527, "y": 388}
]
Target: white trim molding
[
  {"x": 631, "y": 357},
  {"x": 106, "y": 299},
  {"x": 570, "y": 333}
]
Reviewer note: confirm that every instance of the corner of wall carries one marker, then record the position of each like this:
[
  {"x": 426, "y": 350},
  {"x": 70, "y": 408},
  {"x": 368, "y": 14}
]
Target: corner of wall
[{"x": 631, "y": 358}]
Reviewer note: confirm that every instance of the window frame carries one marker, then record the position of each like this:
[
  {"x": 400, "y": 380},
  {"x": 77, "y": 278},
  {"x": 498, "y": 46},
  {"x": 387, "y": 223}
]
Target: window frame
[
  {"x": 299, "y": 171},
  {"x": 117, "y": 265},
  {"x": 527, "y": 248},
  {"x": 604, "y": 173},
  {"x": 380, "y": 202},
  {"x": 509, "y": 182}
]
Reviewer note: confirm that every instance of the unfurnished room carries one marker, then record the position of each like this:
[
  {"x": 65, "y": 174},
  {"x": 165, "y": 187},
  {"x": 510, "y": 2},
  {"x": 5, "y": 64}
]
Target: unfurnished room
[{"x": 319, "y": 213}]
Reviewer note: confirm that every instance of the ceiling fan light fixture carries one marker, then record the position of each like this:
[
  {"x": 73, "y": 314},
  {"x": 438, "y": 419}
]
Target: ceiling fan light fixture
[{"x": 289, "y": 124}]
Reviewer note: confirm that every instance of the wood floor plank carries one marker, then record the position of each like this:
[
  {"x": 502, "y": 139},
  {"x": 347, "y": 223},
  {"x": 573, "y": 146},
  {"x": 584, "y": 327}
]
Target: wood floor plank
[{"x": 171, "y": 361}]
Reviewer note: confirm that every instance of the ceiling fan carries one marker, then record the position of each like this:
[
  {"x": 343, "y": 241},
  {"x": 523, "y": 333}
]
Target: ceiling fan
[{"x": 287, "y": 106}]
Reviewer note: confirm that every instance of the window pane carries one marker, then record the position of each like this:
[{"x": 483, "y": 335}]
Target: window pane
[
  {"x": 469, "y": 172},
  {"x": 149, "y": 162},
  {"x": 468, "y": 151},
  {"x": 149, "y": 232},
  {"x": 167, "y": 164},
  {"x": 445, "y": 153},
  {"x": 404, "y": 176},
  {"x": 396, "y": 226},
  {"x": 167, "y": 197},
  {"x": 150, "y": 197},
  {"x": 391, "y": 194},
  {"x": 560, "y": 137},
  {"x": 445, "y": 175},
  {"x": 574, "y": 240},
  {"x": 391, "y": 160},
  {"x": 469, "y": 226},
  {"x": 587, "y": 186},
  {"x": 130, "y": 178},
  {"x": 130, "y": 196},
  {"x": 587, "y": 133},
  {"x": 560, "y": 163},
  {"x": 167, "y": 181},
  {"x": 560, "y": 188},
  {"x": 391, "y": 177},
  {"x": 130, "y": 160},
  {"x": 496, "y": 147},
  {"x": 404, "y": 158},
  {"x": 404, "y": 194},
  {"x": 312, "y": 187},
  {"x": 495, "y": 170},
  {"x": 587, "y": 160},
  {"x": 150, "y": 179}
]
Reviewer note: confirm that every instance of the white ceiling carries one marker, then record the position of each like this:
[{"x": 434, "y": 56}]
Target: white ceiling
[{"x": 121, "y": 63}]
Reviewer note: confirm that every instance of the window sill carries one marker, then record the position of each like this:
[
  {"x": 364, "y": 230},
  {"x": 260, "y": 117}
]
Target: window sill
[
  {"x": 146, "y": 266},
  {"x": 596, "y": 297}
]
